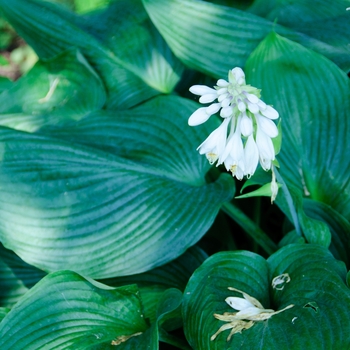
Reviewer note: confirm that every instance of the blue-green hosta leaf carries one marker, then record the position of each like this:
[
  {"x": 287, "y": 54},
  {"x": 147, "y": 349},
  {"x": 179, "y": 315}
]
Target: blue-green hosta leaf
[
  {"x": 134, "y": 39},
  {"x": 50, "y": 30},
  {"x": 308, "y": 277},
  {"x": 312, "y": 96},
  {"x": 68, "y": 206},
  {"x": 16, "y": 277},
  {"x": 339, "y": 228},
  {"x": 213, "y": 38},
  {"x": 65, "y": 311},
  {"x": 65, "y": 87}
]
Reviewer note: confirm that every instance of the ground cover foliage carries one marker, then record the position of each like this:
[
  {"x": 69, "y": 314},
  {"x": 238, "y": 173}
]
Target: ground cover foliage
[{"x": 116, "y": 233}]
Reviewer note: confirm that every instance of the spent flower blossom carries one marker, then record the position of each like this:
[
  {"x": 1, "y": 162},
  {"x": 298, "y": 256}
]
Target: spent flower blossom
[{"x": 244, "y": 137}]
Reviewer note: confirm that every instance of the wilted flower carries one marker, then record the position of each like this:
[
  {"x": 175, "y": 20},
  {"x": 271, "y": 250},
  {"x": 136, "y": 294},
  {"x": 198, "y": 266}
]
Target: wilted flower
[
  {"x": 249, "y": 311},
  {"x": 245, "y": 135}
]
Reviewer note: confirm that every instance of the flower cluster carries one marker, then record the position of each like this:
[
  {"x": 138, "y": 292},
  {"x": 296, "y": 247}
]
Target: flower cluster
[{"x": 244, "y": 137}]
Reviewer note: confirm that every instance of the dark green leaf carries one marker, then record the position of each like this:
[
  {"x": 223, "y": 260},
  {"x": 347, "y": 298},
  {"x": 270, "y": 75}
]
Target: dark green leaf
[{"x": 16, "y": 277}]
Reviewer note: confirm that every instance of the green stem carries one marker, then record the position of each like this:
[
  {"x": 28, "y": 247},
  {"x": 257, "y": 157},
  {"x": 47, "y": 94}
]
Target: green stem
[
  {"x": 290, "y": 202},
  {"x": 249, "y": 226}
]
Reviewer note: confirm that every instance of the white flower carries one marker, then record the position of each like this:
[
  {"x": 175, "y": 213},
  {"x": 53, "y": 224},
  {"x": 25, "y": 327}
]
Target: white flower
[{"x": 247, "y": 122}]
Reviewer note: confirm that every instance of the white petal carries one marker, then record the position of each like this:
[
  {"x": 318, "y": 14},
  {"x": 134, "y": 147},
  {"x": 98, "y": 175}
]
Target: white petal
[
  {"x": 267, "y": 126},
  {"x": 252, "y": 98},
  {"x": 207, "y": 98},
  {"x": 262, "y": 105},
  {"x": 246, "y": 126},
  {"x": 200, "y": 116},
  {"x": 226, "y": 102},
  {"x": 266, "y": 150},
  {"x": 221, "y": 91},
  {"x": 241, "y": 106},
  {"x": 249, "y": 312},
  {"x": 238, "y": 73},
  {"x": 222, "y": 83},
  {"x": 226, "y": 112},
  {"x": 201, "y": 90},
  {"x": 238, "y": 303},
  {"x": 222, "y": 97},
  {"x": 251, "y": 156},
  {"x": 213, "y": 108},
  {"x": 253, "y": 107},
  {"x": 216, "y": 141},
  {"x": 270, "y": 112}
]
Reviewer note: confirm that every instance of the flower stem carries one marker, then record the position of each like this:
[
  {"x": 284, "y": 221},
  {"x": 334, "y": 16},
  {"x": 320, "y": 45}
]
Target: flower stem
[
  {"x": 249, "y": 226},
  {"x": 290, "y": 202}
]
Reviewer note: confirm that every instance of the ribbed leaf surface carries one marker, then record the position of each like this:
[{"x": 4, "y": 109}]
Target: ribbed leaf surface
[
  {"x": 213, "y": 38},
  {"x": 61, "y": 201}
]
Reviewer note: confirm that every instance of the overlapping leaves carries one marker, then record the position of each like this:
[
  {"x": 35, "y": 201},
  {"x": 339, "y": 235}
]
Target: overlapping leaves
[
  {"x": 50, "y": 30},
  {"x": 213, "y": 38}
]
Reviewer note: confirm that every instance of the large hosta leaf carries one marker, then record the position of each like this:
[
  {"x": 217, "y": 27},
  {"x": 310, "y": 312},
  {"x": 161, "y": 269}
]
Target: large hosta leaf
[
  {"x": 68, "y": 206},
  {"x": 318, "y": 319},
  {"x": 65, "y": 311},
  {"x": 214, "y": 39},
  {"x": 55, "y": 87},
  {"x": 312, "y": 96},
  {"x": 50, "y": 30}
]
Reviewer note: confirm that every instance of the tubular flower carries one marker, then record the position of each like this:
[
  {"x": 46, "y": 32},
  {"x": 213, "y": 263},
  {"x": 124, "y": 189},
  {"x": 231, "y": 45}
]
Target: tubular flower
[{"x": 244, "y": 137}]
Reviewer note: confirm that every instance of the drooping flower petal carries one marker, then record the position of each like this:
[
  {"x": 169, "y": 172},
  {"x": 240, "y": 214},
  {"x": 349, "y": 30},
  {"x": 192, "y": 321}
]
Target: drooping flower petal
[
  {"x": 251, "y": 155},
  {"x": 215, "y": 143}
]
